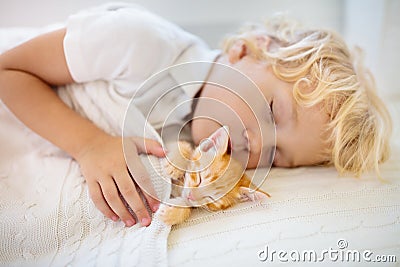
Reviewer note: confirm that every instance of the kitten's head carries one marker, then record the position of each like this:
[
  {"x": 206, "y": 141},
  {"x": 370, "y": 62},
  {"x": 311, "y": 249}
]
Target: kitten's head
[{"x": 214, "y": 178}]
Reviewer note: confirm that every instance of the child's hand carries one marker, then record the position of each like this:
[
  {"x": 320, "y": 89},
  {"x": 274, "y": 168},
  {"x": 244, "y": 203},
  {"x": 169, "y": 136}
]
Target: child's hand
[{"x": 103, "y": 166}]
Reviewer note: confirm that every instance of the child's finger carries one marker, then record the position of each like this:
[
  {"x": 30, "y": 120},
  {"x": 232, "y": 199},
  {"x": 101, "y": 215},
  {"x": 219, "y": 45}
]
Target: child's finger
[
  {"x": 128, "y": 190},
  {"x": 153, "y": 203},
  {"x": 149, "y": 146},
  {"x": 111, "y": 195},
  {"x": 142, "y": 178},
  {"x": 99, "y": 201}
]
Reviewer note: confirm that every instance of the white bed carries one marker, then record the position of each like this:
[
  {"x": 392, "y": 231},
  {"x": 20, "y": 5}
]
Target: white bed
[{"x": 310, "y": 209}]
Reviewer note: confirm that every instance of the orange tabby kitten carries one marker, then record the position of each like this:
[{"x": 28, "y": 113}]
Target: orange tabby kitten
[{"x": 206, "y": 176}]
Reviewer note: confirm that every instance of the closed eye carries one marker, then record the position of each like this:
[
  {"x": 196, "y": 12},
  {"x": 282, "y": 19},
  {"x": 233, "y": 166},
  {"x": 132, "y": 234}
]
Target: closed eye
[
  {"x": 271, "y": 106},
  {"x": 195, "y": 179},
  {"x": 272, "y": 154}
]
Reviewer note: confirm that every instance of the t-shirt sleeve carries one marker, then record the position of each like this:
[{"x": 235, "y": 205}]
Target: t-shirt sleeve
[{"x": 120, "y": 43}]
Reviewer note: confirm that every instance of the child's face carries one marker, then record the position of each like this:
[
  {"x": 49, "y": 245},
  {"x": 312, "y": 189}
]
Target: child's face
[{"x": 300, "y": 131}]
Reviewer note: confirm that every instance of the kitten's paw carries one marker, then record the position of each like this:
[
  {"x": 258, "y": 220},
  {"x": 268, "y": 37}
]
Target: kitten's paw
[
  {"x": 172, "y": 215},
  {"x": 167, "y": 214}
]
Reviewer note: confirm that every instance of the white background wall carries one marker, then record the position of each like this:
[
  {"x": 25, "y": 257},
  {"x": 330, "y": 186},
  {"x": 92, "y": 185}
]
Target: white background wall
[
  {"x": 207, "y": 18},
  {"x": 372, "y": 24},
  {"x": 375, "y": 26}
]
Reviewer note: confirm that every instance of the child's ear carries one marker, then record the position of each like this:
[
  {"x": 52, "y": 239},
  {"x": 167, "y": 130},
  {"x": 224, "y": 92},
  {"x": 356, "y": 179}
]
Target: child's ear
[
  {"x": 237, "y": 51},
  {"x": 239, "y": 48},
  {"x": 218, "y": 140},
  {"x": 247, "y": 194}
]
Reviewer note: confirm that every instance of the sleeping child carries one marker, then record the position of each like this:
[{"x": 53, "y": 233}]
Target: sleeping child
[{"x": 323, "y": 101}]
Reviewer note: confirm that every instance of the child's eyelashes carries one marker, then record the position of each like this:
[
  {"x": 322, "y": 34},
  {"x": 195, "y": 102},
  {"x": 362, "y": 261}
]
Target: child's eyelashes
[
  {"x": 276, "y": 156},
  {"x": 272, "y": 154},
  {"x": 271, "y": 106}
]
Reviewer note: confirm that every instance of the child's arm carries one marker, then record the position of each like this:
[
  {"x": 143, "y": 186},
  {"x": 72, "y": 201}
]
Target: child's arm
[{"x": 26, "y": 74}]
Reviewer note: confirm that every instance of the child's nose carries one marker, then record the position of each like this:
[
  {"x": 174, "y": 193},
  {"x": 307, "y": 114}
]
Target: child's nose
[{"x": 255, "y": 142}]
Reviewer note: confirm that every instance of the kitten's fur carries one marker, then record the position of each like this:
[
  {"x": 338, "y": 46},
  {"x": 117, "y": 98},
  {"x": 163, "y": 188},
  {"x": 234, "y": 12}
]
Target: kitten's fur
[{"x": 205, "y": 180}]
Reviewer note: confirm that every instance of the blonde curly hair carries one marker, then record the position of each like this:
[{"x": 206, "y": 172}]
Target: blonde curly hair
[{"x": 360, "y": 125}]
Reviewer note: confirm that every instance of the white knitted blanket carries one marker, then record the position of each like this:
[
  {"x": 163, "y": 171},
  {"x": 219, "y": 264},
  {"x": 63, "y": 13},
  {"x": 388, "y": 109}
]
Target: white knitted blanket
[{"x": 47, "y": 217}]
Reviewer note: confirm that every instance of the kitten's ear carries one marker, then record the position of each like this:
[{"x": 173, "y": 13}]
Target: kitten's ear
[
  {"x": 247, "y": 194},
  {"x": 218, "y": 140}
]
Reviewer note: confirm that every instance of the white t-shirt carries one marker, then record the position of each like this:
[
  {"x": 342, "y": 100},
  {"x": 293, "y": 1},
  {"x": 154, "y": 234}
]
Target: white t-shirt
[{"x": 125, "y": 44}]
